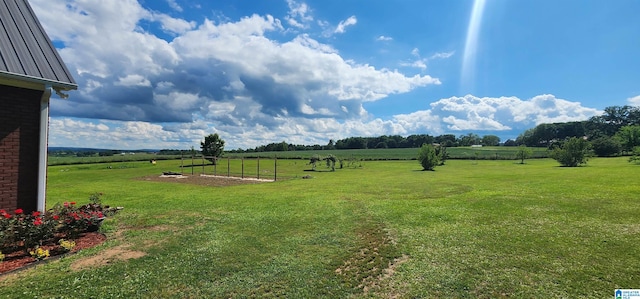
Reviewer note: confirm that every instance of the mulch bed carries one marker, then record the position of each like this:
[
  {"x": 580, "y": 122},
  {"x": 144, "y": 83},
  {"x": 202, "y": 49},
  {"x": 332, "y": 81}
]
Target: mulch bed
[{"x": 20, "y": 259}]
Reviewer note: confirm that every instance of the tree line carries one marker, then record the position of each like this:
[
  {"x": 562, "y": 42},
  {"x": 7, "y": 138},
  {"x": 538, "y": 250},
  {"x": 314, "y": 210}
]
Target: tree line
[
  {"x": 616, "y": 130},
  {"x": 384, "y": 141}
]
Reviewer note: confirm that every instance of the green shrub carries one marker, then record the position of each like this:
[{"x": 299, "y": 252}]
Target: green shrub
[
  {"x": 606, "y": 146},
  {"x": 572, "y": 152},
  {"x": 428, "y": 157}
]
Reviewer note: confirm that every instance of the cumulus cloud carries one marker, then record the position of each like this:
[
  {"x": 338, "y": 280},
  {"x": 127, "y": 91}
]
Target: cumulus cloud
[
  {"x": 634, "y": 101},
  {"x": 384, "y": 38},
  {"x": 342, "y": 26},
  {"x": 507, "y": 113},
  {"x": 127, "y": 73}
]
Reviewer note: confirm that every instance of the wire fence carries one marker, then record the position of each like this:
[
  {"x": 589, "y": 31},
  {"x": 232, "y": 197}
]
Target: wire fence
[{"x": 243, "y": 168}]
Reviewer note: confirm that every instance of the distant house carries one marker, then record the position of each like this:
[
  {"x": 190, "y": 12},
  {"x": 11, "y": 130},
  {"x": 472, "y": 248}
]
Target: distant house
[{"x": 30, "y": 70}]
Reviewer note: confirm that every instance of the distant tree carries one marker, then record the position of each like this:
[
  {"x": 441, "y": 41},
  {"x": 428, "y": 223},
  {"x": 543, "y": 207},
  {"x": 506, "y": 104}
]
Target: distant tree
[
  {"x": 490, "y": 140},
  {"x": 331, "y": 145},
  {"x": 447, "y": 140},
  {"x": 313, "y": 161},
  {"x": 331, "y": 162},
  {"x": 605, "y": 146},
  {"x": 428, "y": 157},
  {"x": 523, "y": 153},
  {"x": 469, "y": 139},
  {"x": 636, "y": 155},
  {"x": 572, "y": 152},
  {"x": 629, "y": 137},
  {"x": 526, "y": 138},
  {"x": 510, "y": 142},
  {"x": 212, "y": 147},
  {"x": 441, "y": 153}
]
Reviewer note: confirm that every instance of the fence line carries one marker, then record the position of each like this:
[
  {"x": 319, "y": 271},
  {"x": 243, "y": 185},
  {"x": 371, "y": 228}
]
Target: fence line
[{"x": 243, "y": 173}]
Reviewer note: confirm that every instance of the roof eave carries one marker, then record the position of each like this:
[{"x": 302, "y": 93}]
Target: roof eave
[{"x": 31, "y": 82}]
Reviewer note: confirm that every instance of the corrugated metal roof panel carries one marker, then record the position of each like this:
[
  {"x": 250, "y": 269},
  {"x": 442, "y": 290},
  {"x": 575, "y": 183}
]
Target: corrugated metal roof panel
[{"x": 25, "y": 48}]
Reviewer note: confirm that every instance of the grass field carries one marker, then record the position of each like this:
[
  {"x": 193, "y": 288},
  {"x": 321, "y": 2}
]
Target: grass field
[
  {"x": 470, "y": 229},
  {"x": 483, "y": 153}
]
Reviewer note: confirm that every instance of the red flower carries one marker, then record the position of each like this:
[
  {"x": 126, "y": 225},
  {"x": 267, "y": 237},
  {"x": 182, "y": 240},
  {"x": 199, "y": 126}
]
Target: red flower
[
  {"x": 56, "y": 217},
  {"x": 6, "y": 215},
  {"x": 66, "y": 204},
  {"x": 35, "y": 214},
  {"x": 38, "y": 221},
  {"x": 19, "y": 211},
  {"x": 73, "y": 203}
]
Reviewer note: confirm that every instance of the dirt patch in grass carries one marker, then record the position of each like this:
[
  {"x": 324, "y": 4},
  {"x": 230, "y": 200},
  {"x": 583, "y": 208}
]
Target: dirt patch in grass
[
  {"x": 118, "y": 253},
  {"x": 203, "y": 180},
  {"x": 375, "y": 261}
]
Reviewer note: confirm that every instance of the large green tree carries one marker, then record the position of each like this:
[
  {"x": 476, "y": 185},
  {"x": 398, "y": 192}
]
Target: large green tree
[
  {"x": 490, "y": 140},
  {"x": 212, "y": 147},
  {"x": 629, "y": 137}
]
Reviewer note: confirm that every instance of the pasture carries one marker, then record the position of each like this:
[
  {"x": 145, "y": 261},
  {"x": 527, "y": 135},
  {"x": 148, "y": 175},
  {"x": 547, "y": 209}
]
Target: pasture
[{"x": 470, "y": 229}]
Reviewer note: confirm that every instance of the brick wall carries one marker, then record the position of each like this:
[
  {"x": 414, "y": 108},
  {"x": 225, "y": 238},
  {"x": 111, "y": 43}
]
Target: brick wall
[{"x": 19, "y": 147}]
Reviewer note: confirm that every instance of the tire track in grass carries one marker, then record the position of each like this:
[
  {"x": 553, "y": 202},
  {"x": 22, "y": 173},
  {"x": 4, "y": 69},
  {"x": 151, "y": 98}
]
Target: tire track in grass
[{"x": 374, "y": 259}]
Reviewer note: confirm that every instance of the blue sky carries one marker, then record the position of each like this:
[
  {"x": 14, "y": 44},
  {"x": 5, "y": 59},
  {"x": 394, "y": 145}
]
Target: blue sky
[{"x": 165, "y": 73}]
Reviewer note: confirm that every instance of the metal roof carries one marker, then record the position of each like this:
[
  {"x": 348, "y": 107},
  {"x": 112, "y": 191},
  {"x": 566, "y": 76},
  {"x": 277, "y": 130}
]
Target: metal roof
[{"x": 26, "y": 52}]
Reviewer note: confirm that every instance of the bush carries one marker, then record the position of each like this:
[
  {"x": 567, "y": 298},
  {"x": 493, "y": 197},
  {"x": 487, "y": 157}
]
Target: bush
[
  {"x": 636, "y": 155},
  {"x": 572, "y": 152},
  {"x": 605, "y": 146},
  {"x": 29, "y": 231},
  {"x": 428, "y": 157}
]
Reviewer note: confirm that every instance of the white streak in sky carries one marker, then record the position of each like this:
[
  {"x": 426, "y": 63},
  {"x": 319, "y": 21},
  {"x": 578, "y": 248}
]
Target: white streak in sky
[{"x": 471, "y": 46}]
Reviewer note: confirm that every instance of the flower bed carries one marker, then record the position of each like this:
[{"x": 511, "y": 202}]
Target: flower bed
[{"x": 38, "y": 236}]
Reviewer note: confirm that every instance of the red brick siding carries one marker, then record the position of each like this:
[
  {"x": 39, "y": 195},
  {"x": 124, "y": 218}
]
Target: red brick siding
[{"x": 19, "y": 147}]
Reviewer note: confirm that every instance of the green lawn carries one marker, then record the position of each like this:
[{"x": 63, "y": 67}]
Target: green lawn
[{"x": 470, "y": 229}]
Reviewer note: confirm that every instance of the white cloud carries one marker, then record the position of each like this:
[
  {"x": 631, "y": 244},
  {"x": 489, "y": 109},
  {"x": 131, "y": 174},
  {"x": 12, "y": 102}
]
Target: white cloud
[
  {"x": 133, "y": 80},
  {"x": 352, "y": 20},
  {"x": 442, "y": 55},
  {"x": 634, "y": 101},
  {"x": 173, "y": 25},
  {"x": 384, "y": 38},
  {"x": 174, "y": 5},
  {"x": 506, "y": 113},
  {"x": 299, "y": 14}
]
